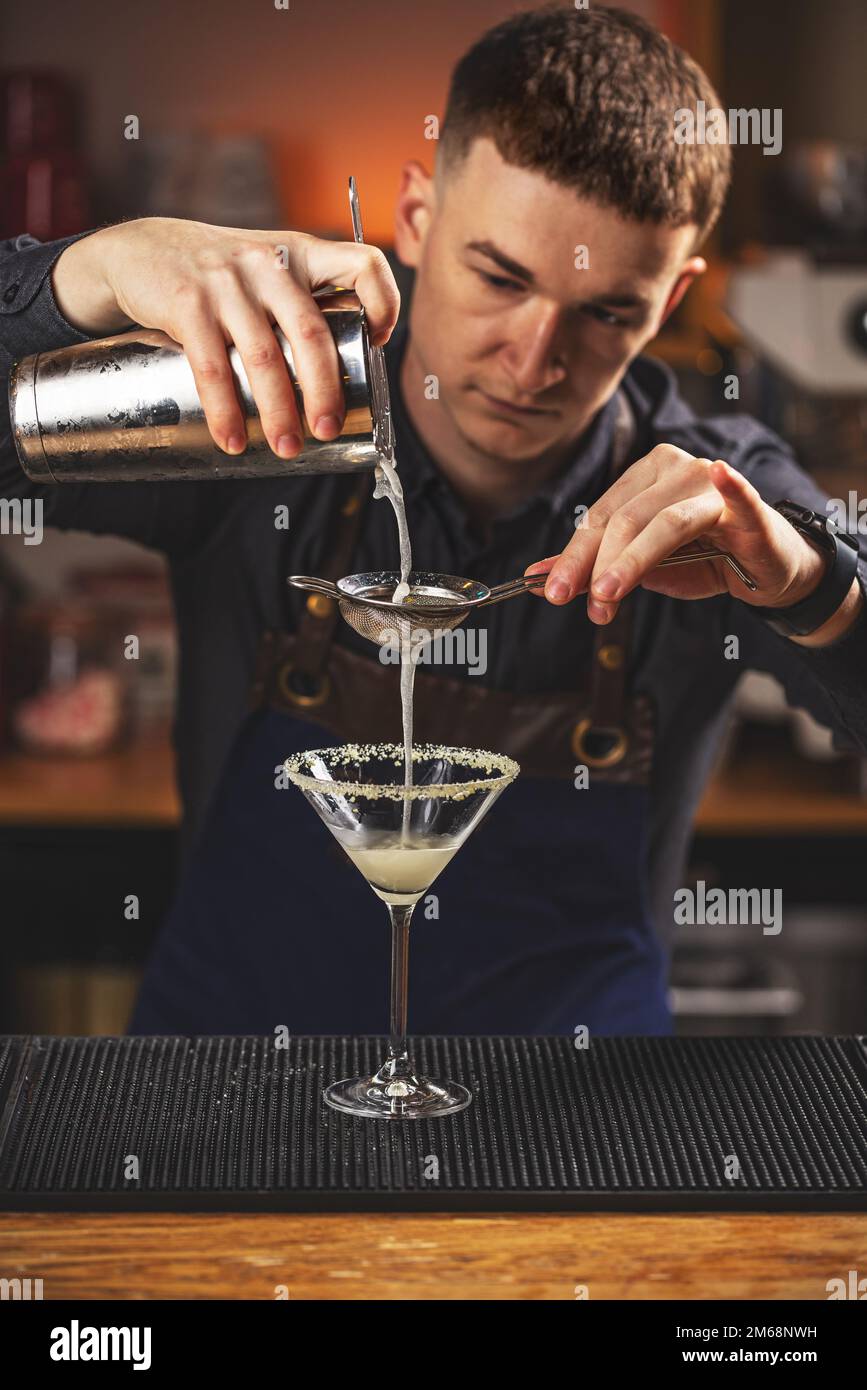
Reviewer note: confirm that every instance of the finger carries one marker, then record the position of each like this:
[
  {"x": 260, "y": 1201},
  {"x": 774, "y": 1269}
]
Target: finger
[
  {"x": 744, "y": 504},
  {"x": 676, "y": 525},
  {"x": 364, "y": 269},
  {"x": 571, "y": 573},
  {"x": 318, "y": 369},
  {"x": 539, "y": 567},
  {"x": 267, "y": 374},
  {"x": 631, "y": 519},
  {"x": 204, "y": 344}
]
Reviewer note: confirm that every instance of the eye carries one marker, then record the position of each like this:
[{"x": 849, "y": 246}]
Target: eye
[
  {"x": 500, "y": 282},
  {"x": 605, "y": 316}
]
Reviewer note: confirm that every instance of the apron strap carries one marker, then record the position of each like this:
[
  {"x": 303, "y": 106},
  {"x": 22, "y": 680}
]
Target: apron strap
[
  {"x": 600, "y": 739},
  {"x": 319, "y": 619},
  {"x": 306, "y": 678}
]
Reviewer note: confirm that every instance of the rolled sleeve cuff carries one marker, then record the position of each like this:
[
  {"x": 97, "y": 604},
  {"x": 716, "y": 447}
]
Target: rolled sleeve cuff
[{"x": 30, "y": 320}]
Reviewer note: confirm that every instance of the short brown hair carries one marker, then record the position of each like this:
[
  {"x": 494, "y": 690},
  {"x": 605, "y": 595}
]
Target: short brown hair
[{"x": 588, "y": 98}]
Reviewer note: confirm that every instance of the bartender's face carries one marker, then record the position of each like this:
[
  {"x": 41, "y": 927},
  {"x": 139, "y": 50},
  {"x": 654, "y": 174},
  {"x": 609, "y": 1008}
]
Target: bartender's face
[{"x": 527, "y": 332}]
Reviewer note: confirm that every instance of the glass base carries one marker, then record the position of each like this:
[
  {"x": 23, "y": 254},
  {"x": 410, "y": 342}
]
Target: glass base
[{"x": 396, "y": 1098}]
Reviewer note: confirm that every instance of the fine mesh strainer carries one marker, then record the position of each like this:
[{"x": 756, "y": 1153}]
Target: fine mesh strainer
[
  {"x": 439, "y": 602},
  {"x": 435, "y": 601}
]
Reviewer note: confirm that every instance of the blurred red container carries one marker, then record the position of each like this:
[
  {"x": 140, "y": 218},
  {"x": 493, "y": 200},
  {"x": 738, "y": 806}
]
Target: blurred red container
[{"x": 43, "y": 188}]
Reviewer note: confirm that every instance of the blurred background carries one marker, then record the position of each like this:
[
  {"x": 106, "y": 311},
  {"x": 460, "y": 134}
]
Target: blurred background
[{"x": 254, "y": 116}]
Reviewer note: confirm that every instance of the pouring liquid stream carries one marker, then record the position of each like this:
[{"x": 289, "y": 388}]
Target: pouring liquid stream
[{"x": 388, "y": 485}]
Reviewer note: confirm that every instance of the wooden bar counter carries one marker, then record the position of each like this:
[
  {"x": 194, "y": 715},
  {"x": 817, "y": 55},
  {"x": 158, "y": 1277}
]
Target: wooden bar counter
[
  {"x": 534, "y": 1257},
  {"x": 537, "y": 1256}
]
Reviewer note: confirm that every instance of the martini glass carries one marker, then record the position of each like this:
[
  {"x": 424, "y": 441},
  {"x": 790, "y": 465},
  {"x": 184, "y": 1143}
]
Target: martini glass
[{"x": 359, "y": 792}]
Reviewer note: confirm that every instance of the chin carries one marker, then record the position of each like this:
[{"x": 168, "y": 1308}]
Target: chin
[{"x": 508, "y": 442}]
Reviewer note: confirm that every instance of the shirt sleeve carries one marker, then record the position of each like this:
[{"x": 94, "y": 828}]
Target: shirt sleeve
[
  {"x": 170, "y": 517},
  {"x": 830, "y": 682}
]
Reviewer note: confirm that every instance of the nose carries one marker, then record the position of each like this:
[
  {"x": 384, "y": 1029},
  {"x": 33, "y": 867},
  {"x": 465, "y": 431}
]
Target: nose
[{"x": 534, "y": 355}]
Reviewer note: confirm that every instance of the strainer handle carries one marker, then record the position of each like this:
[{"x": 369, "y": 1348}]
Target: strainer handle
[
  {"x": 316, "y": 586},
  {"x": 691, "y": 557},
  {"x": 513, "y": 587},
  {"x": 723, "y": 555}
]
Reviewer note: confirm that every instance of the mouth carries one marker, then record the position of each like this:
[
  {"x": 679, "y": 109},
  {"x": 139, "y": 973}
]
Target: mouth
[{"x": 510, "y": 408}]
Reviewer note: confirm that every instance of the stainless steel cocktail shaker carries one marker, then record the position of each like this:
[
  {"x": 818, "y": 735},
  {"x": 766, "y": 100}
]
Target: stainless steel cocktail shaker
[{"x": 125, "y": 409}]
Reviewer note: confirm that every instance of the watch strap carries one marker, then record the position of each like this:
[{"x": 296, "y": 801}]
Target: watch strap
[{"x": 802, "y": 619}]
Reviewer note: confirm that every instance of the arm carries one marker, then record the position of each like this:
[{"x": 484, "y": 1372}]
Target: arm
[
  {"x": 207, "y": 287},
  {"x": 825, "y": 673},
  {"x": 669, "y": 499},
  {"x": 31, "y": 321}
]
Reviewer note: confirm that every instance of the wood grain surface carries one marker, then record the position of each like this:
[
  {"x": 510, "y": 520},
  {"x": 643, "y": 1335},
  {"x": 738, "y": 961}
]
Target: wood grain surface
[{"x": 408, "y": 1256}]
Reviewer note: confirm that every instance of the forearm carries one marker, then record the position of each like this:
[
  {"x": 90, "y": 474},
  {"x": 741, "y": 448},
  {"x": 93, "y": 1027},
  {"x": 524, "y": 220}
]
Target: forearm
[
  {"x": 839, "y": 623},
  {"x": 826, "y": 671},
  {"x": 829, "y": 679},
  {"x": 31, "y": 321},
  {"x": 840, "y": 669}
]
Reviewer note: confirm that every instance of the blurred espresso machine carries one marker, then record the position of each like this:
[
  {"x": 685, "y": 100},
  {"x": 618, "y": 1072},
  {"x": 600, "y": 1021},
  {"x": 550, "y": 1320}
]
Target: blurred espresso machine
[{"x": 802, "y": 311}]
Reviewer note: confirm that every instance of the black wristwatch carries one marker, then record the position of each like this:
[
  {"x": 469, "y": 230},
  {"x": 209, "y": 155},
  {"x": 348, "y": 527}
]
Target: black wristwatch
[{"x": 813, "y": 612}]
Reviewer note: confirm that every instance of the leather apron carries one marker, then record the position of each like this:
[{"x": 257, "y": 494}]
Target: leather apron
[{"x": 540, "y": 924}]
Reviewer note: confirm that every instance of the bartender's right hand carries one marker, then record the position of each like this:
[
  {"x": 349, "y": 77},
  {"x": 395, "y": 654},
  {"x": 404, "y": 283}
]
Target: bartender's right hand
[{"x": 208, "y": 287}]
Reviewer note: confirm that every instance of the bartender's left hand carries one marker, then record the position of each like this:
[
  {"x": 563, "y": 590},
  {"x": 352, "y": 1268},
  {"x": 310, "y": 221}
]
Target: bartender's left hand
[{"x": 667, "y": 500}]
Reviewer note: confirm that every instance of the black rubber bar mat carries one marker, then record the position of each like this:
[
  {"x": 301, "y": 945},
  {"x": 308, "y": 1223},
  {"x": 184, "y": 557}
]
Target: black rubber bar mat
[{"x": 236, "y": 1123}]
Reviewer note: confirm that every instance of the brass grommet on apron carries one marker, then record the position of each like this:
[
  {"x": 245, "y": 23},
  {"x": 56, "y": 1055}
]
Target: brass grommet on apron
[
  {"x": 615, "y": 754},
  {"x": 610, "y": 656},
  {"x": 319, "y": 605},
  {"x": 306, "y": 699}
]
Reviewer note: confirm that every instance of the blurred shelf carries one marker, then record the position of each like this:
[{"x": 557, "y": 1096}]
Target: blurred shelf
[
  {"x": 133, "y": 787},
  {"x": 774, "y": 792},
  {"x": 765, "y": 793}
]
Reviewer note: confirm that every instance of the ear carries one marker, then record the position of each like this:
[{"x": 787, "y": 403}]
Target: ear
[
  {"x": 694, "y": 267},
  {"x": 413, "y": 212}
]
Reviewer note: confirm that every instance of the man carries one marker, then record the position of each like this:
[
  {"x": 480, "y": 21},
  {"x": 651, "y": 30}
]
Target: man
[{"x": 560, "y": 229}]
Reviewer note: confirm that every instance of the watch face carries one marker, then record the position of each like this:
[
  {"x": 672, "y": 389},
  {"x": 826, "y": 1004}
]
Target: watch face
[
  {"x": 815, "y": 527},
  {"x": 802, "y": 515}
]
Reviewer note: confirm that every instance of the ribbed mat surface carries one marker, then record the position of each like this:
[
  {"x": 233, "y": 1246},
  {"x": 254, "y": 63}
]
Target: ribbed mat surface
[{"x": 631, "y": 1123}]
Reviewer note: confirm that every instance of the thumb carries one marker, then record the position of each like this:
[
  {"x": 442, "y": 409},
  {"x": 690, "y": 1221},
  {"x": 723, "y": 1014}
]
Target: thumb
[{"x": 741, "y": 498}]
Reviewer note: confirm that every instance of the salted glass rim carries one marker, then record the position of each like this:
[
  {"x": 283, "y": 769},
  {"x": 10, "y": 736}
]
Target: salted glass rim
[{"x": 505, "y": 769}]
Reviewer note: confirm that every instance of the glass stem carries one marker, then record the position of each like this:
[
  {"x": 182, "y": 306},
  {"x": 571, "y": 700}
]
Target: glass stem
[{"x": 398, "y": 1063}]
